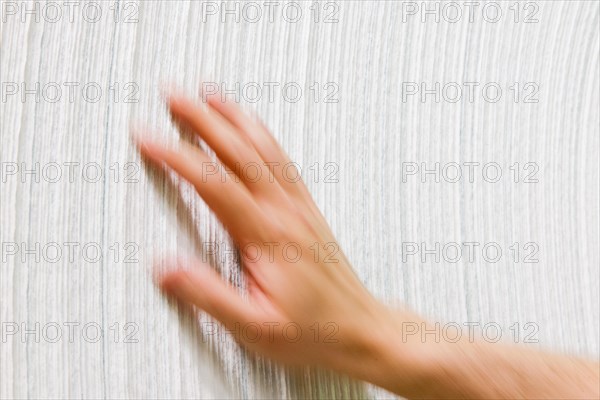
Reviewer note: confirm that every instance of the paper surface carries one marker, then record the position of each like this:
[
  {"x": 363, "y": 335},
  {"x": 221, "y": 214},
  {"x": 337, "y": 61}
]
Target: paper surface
[{"x": 455, "y": 157}]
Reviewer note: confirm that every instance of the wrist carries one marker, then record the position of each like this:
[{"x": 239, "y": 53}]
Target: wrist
[
  {"x": 397, "y": 361},
  {"x": 409, "y": 363}
]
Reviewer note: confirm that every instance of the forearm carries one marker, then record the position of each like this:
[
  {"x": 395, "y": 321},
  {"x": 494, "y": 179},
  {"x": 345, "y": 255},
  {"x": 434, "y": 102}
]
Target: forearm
[
  {"x": 495, "y": 370},
  {"x": 422, "y": 369}
]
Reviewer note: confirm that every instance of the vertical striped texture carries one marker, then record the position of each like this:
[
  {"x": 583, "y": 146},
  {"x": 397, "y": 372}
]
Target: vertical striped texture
[{"x": 371, "y": 135}]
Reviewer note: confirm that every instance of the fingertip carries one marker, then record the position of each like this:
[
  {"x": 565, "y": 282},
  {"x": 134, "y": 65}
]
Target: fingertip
[
  {"x": 177, "y": 99},
  {"x": 137, "y": 132},
  {"x": 157, "y": 272},
  {"x": 180, "y": 277},
  {"x": 170, "y": 281},
  {"x": 150, "y": 148},
  {"x": 185, "y": 285}
]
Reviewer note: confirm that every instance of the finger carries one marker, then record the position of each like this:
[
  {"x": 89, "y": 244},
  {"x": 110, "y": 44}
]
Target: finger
[
  {"x": 204, "y": 288},
  {"x": 257, "y": 293},
  {"x": 266, "y": 146},
  {"x": 234, "y": 150},
  {"x": 229, "y": 200},
  {"x": 270, "y": 152}
]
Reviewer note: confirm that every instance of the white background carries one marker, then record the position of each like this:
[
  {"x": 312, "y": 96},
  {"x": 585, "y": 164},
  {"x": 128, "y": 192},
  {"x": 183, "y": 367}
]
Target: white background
[{"x": 372, "y": 134}]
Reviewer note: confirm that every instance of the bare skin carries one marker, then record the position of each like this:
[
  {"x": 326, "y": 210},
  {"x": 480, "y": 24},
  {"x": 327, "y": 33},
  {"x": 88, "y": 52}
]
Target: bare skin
[{"x": 312, "y": 309}]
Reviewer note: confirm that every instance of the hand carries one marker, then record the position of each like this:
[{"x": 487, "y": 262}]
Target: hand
[
  {"x": 304, "y": 300},
  {"x": 305, "y": 305}
]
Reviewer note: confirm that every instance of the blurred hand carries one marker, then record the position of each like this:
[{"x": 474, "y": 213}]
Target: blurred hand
[{"x": 306, "y": 305}]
